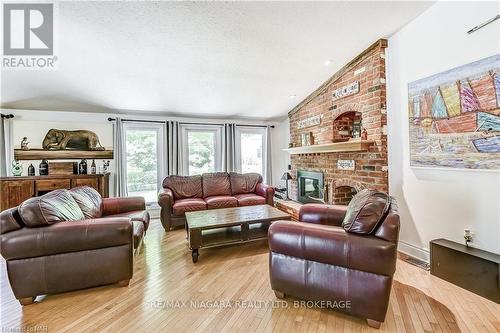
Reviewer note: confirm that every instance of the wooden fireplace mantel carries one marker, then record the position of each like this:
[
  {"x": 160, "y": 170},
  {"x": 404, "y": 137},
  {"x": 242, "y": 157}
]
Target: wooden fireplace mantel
[{"x": 351, "y": 145}]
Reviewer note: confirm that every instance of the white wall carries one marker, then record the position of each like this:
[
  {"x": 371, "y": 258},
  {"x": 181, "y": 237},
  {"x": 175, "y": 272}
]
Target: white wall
[
  {"x": 439, "y": 203},
  {"x": 280, "y": 159}
]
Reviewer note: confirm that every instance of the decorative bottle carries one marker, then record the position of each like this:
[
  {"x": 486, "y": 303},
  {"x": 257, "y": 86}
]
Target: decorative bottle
[
  {"x": 93, "y": 168},
  {"x": 82, "y": 168},
  {"x": 31, "y": 170},
  {"x": 43, "y": 168}
]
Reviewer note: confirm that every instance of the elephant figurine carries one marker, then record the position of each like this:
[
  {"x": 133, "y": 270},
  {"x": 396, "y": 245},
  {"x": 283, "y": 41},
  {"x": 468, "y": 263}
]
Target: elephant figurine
[{"x": 56, "y": 139}]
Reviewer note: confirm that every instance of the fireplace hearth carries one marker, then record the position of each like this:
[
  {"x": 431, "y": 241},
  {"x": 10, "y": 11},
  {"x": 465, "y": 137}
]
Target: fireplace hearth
[{"x": 310, "y": 186}]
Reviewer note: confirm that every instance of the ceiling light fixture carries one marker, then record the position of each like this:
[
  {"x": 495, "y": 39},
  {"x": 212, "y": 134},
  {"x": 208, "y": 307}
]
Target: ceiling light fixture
[
  {"x": 328, "y": 62},
  {"x": 292, "y": 96}
]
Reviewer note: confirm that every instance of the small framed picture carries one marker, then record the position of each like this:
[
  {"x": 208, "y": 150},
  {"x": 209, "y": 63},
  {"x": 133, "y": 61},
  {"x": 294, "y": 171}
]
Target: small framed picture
[{"x": 307, "y": 139}]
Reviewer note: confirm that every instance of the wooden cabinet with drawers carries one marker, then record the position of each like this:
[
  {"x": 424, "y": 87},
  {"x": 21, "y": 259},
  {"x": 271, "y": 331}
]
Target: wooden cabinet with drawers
[{"x": 17, "y": 189}]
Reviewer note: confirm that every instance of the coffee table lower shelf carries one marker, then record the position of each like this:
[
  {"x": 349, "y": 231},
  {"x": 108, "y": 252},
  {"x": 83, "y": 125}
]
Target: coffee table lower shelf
[
  {"x": 228, "y": 226},
  {"x": 209, "y": 238}
]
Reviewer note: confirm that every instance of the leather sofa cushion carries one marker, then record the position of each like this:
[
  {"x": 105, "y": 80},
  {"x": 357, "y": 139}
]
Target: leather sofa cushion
[
  {"x": 250, "y": 199},
  {"x": 366, "y": 211},
  {"x": 60, "y": 238},
  {"x": 244, "y": 183},
  {"x": 221, "y": 201},
  {"x": 55, "y": 206},
  {"x": 188, "y": 205},
  {"x": 184, "y": 187},
  {"x": 135, "y": 215},
  {"x": 138, "y": 232},
  {"x": 89, "y": 201},
  {"x": 333, "y": 246},
  {"x": 216, "y": 183}
]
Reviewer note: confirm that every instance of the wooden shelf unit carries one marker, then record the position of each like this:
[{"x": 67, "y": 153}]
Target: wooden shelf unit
[
  {"x": 42, "y": 154},
  {"x": 351, "y": 145},
  {"x": 17, "y": 189}
]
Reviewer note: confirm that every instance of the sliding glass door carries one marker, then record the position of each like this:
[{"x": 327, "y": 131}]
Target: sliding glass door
[{"x": 144, "y": 145}]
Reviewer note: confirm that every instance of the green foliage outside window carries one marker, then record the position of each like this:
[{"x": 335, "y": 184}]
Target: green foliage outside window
[
  {"x": 142, "y": 160},
  {"x": 201, "y": 146}
]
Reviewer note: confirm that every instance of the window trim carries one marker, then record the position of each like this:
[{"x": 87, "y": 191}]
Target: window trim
[
  {"x": 160, "y": 150},
  {"x": 250, "y": 130},
  {"x": 185, "y": 129}
]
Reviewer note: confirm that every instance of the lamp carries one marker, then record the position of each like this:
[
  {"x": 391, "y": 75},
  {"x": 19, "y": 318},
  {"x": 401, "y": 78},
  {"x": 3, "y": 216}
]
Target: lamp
[{"x": 286, "y": 177}]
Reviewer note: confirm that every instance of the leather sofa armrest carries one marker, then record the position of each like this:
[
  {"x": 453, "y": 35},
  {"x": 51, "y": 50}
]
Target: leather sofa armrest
[
  {"x": 333, "y": 246},
  {"x": 166, "y": 202},
  {"x": 65, "y": 237},
  {"x": 322, "y": 214},
  {"x": 10, "y": 220},
  {"x": 266, "y": 191},
  {"x": 166, "y": 198},
  {"x": 112, "y": 206}
]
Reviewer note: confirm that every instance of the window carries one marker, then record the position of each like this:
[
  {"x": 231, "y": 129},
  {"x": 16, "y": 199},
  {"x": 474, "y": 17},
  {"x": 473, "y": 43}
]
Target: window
[
  {"x": 144, "y": 163},
  {"x": 251, "y": 149},
  {"x": 201, "y": 149}
]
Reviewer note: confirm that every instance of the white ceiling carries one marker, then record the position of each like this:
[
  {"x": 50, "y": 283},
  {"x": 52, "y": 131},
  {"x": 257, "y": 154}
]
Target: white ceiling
[{"x": 209, "y": 59}]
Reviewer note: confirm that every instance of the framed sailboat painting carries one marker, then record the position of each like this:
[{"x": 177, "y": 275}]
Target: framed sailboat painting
[{"x": 454, "y": 117}]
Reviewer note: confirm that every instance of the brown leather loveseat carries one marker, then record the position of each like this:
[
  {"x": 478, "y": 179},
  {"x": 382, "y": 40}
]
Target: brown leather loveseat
[
  {"x": 70, "y": 239},
  {"x": 342, "y": 256},
  {"x": 181, "y": 194}
]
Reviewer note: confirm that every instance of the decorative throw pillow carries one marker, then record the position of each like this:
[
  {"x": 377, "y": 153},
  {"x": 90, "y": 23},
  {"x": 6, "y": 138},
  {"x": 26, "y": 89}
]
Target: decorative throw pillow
[
  {"x": 365, "y": 211},
  {"x": 55, "y": 206},
  {"x": 89, "y": 201}
]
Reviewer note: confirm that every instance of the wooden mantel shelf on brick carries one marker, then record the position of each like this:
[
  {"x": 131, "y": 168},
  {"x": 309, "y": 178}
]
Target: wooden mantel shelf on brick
[{"x": 351, "y": 145}]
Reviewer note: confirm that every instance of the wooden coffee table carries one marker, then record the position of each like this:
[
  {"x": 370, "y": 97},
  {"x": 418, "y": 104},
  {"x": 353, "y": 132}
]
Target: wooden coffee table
[{"x": 218, "y": 227}]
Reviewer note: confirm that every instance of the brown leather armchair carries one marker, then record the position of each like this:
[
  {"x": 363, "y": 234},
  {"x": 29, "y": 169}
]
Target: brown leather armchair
[
  {"x": 68, "y": 240},
  {"x": 343, "y": 256}
]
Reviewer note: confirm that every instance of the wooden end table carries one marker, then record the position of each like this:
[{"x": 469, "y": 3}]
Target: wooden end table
[{"x": 219, "y": 227}]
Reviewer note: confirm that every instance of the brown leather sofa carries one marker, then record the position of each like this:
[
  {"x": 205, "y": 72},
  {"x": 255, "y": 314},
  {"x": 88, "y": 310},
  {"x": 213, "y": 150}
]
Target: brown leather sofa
[
  {"x": 181, "y": 194},
  {"x": 70, "y": 239},
  {"x": 342, "y": 256}
]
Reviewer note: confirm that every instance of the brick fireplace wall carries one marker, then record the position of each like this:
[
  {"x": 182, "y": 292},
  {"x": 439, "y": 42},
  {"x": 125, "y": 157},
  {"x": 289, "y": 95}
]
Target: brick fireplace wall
[{"x": 368, "y": 104}]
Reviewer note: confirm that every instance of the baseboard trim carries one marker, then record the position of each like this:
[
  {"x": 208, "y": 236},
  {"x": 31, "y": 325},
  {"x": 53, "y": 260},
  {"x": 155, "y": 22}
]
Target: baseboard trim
[{"x": 414, "y": 251}]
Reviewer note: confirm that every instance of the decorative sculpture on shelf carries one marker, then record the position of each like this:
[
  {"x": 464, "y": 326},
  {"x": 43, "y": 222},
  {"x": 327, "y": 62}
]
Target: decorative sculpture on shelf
[
  {"x": 17, "y": 168},
  {"x": 56, "y": 139},
  {"x": 24, "y": 144}
]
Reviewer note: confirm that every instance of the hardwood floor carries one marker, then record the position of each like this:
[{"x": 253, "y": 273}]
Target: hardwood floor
[{"x": 164, "y": 272}]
